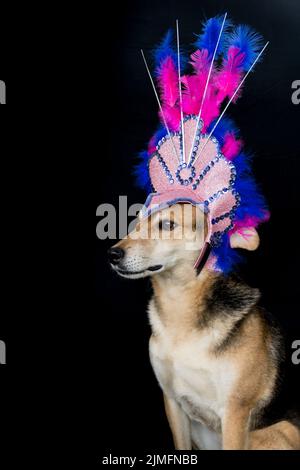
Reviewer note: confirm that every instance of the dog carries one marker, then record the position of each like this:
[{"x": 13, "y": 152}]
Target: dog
[{"x": 213, "y": 349}]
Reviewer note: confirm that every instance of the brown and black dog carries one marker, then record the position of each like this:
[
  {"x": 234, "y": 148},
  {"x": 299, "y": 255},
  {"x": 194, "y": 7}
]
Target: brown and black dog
[{"x": 214, "y": 352}]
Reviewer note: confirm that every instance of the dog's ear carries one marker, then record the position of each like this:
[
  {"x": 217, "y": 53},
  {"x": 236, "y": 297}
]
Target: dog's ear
[{"x": 245, "y": 237}]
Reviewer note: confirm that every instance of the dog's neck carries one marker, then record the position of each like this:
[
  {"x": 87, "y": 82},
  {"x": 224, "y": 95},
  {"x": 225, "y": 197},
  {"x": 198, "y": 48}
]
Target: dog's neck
[{"x": 179, "y": 293}]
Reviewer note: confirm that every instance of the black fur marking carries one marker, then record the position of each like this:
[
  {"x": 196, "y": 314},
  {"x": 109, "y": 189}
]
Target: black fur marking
[
  {"x": 231, "y": 336},
  {"x": 229, "y": 296},
  {"x": 230, "y": 301},
  {"x": 293, "y": 416}
]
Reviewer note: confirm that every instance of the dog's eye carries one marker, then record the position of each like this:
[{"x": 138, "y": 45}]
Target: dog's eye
[{"x": 167, "y": 225}]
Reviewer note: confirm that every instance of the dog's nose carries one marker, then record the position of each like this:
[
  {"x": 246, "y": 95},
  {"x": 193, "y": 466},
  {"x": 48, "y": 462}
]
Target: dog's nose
[{"x": 115, "y": 255}]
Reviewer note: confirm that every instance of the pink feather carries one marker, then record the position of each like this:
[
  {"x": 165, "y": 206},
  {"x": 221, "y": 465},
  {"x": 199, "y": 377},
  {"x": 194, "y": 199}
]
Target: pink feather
[
  {"x": 230, "y": 75},
  {"x": 199, "y": 61},
  {"x": 195, "y": 86},
  {"x": 249, "y": 221},
  {"x": 169, "y": 92},
  {"x": 151, "y": 146},
  {"x": 192, "y": 93},
  {"x": 172, "y": 117},
  {"x": 210, "y": 109},
  {"x": 232, "y": 146},
  {"x": 168, "y": 82}
]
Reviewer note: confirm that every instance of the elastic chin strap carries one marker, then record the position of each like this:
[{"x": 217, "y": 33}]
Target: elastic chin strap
[
  {"x": 203, "y": 257},
  {"x": 205, "y": 252}
]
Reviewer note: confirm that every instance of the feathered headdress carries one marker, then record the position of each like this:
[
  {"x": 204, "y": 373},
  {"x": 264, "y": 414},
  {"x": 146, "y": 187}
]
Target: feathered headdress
[{"x": 196, "y": 155}]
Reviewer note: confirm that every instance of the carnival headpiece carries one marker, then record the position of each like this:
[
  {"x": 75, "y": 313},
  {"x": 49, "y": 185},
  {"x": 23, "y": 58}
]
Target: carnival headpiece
[{"x": 196, "y": 154}]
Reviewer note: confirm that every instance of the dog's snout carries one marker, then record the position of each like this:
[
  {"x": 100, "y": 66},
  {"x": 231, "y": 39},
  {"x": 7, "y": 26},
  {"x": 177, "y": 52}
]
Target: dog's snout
[{"x": 115, "y": 255}]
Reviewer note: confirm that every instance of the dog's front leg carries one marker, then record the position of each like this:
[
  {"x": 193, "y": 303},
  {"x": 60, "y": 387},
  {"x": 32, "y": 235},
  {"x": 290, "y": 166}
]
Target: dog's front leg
[
  {"x": 179, "y": 423},
  {"x": 235, "y": 428}
]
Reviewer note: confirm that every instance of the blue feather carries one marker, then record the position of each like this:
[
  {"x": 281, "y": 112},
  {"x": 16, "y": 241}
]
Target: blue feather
[
  {"x": 227, "y": 257},
  {"x": 159, "y": 134},
  {"x": 252, "y": 204},
  {"x": 252, "y": 201},
  {"x": 248, "y": 41},
  {"x": 242, "y": 164},
  {"x": 225, "y": 125},
  {"x": 140, "y": 170},
  {"x": 141, "y": 173},
  {"x": 209, "y": 37},
  {"x": 164, "y": 50}
]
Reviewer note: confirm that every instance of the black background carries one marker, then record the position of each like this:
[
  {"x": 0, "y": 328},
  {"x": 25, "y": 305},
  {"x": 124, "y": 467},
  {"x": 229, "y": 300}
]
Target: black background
[
  {"x": 123, "y": 398},
  {"x": 130, "y": 408}
]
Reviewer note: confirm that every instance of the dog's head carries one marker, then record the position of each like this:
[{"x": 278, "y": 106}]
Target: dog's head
[{"x": 169, "y": 237}]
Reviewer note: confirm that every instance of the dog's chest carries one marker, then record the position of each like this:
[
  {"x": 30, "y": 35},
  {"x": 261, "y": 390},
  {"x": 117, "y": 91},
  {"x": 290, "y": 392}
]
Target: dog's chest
[{"x": 188, "y": 371}]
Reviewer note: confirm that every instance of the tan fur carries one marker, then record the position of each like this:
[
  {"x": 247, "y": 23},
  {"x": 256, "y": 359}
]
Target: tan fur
[
  {"x": 249, "y": 239},
  {"x": 280, "y": 436},
  {"x": 212, "y": 396}
]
